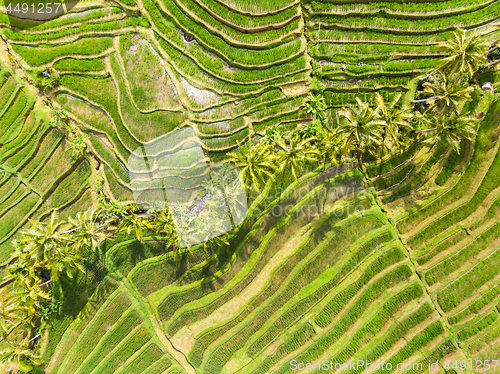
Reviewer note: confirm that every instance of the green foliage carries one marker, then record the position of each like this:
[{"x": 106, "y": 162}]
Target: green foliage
[
  {"x": 143, "y": 361},
  {"x": 115, "y": 336},
  {"x": 79, "y": 64},
  {"x": 129, "y": 346},
  {"x": 476, "y": 306},
  {"x": 458, "y": 291},
  {"x": 43, "y": 55},
  {"x": 469, "y": 332},
  {"x": 454, "y": 159}
]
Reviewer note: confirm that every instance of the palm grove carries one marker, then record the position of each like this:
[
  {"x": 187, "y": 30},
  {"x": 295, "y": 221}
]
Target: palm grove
[{"x": 364, "y": 130}]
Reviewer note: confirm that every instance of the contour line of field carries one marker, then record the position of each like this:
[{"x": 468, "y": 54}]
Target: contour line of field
[
  {"x": 402, "y": 343},
  {"x": 74, "y": 345},
  {"x": 453, "y": 248},
  {"x": 419, "y": 15},
  {"x": 178, "y": 108},
  {"x": 481, "y": 290},
  {"x": 485, "y": 345},
  {"x": 471, "y": 191},
  {"x": 483, "y": 310},
  {"x": 247, "y": 30},
  {"x": 162, "y": 294},
  {"x": 268, "y": 12},
  {"x": 304, "y": 319},
  {"x": 113, "y": 125},
  {"x": 231, "y": 40},
  {"x": 288, "y": 280},
  {"x": 204, "y": 67},
  {"x": 74, "y": 323},
  {"x": 470, "y": 219},
  {"x": 153, "y": 320},
  {"x": 428, "y": 30},
  {"x": 458, "y": 247},
  {"x": 475, "y": 321},
  {"x": 320, "y": 281},
  {"x": 346, "y": 282},
  {"x": 372, "y": 310},
  {"x": 184, "y": 338},
  {"x": 68, "y": 26},
  {"x": 229, "y": 60},
  {"x": 109, "y": 354},
  {"x": 269, "y": 268},
  {"x": 122, "y": 368},
  {"x": 420, "y": 157}
]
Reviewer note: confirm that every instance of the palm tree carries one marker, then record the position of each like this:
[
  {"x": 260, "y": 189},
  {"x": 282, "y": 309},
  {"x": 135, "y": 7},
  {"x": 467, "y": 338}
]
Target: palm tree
[
  {"x": 135, "y": 223},
  {"x": 295, "y": 154},
  {"x": 162, "y": 222},
  {"x": 76, "y": 142},
  {"x": 43, "y": 240},
  {"x": 448, "y": 129},
  {"x": 64, "y": 260},
  {"x": 361, "y": 127},
  {"x": 255, "y": 163},
  {"x": 12, "y": 312},
  {"x": 276, "y": 132},
  {"x": 330, "y": 146},
  {"x": 447, "y": 94},
  {"x": 465, "y": 53},
  {"x": 316, "y": 106},
  {"x": 88, "y": 230},
  {"x": 397, "y": 121},
  {"x": 18, "y": 356},
  {"x": 311, "y": 129},
  {"x": 32, "y": 293},
  {"x": 233, "y": 193}
]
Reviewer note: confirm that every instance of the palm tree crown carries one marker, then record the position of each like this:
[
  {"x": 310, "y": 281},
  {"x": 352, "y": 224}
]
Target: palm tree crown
[
  {"x": 295, "y": 154},
  {"x": 465, "y": 53},
  {"x": 397, "y": 121},
  {"x": 448, "y": 129},
  {"x": 361, "y": 127},
  {"x": 255, "y": 163},
  {"x": 448, "y": 94}
]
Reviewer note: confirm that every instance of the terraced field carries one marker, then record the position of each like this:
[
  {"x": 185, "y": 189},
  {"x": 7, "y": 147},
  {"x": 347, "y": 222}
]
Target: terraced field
[
  {"x": 394, "y": 262},
  {"x": 37, "y": 174}
]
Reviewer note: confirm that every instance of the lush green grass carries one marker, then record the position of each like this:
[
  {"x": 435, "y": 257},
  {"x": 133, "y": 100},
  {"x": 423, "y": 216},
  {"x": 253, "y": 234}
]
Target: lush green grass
[
  {"x": 82, "y": 298},
  {"x": 42, "y": 55},
  {"x": 150, "y": 354},
  {"x": 472, "y": 250},
  {"x": 485, "y": 141},
  {"x": 176, "y": 300},
  {"x": 151, "y": 276},
  {"x": 100, "y": 324},
  {"x": 489, "y": 183},
  {"x": 125, "y": 255},
  {"x": 469, "y": 332},
  {"x": 127, "y": 348},
  {"x": 79, "y": 64},
  {"x": 114, "y": 337},
  {"x": 476, "y": 306},
  {"x": 283, "y": 289},
  {"x": 465, "y": 286}
]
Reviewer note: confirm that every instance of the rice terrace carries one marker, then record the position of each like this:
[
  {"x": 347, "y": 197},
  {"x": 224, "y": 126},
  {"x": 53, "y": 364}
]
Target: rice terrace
[{"x": 249, "y": 186}]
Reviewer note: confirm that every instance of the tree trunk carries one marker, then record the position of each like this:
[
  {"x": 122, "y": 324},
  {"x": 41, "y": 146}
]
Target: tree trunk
[
  {"x": 424, "y": 100},
  {"x": 492, "y": 63},
  {"x": 427, "y": 76},
  {"x": 428, "y": 130}
]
